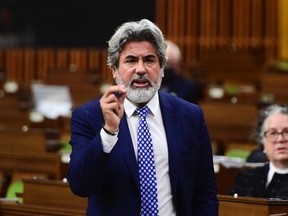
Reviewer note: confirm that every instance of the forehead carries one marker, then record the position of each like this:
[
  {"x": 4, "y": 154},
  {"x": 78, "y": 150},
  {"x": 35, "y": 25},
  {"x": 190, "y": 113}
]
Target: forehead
[
  {"x": 276, "y": 120},
  {"x": 138, "y": 48}
]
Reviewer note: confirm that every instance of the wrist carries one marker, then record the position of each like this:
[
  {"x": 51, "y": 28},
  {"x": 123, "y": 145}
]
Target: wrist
[{"x": 111, "y": 133}]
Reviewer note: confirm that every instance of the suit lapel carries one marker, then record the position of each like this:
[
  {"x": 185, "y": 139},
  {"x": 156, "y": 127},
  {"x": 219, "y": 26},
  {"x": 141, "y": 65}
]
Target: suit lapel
[
  {"x": 126, "y": 146},
  {"x": 170, "y": 119}
]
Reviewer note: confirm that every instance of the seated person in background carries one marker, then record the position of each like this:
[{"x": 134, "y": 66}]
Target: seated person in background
[
  {"x": 270, "y": 180},
  {"x": 173, "y": 82},
  {"x": 257, "y": 156}
]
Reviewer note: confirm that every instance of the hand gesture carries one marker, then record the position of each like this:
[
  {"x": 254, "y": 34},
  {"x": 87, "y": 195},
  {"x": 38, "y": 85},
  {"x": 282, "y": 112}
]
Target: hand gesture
[{"x": 112, "y": 105}]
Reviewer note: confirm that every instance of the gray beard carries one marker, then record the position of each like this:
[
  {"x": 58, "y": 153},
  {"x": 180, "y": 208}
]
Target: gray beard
[{"x": 139, "y": 95}]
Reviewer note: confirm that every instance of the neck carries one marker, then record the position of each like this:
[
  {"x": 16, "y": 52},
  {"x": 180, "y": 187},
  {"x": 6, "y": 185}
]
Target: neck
[
  {"x": 281, "y": 165},
  {"x": 141, "y": 104},
  {"x": 138, "y": 104}
]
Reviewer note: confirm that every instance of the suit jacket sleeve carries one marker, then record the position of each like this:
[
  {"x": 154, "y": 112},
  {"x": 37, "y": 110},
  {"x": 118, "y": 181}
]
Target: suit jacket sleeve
[
  {"x": 190, "y": 158},
  {"x": 88, "y": 162}
]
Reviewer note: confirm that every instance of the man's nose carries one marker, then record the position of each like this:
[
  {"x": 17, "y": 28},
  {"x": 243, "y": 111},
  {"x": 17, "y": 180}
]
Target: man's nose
[{"x": 140, "y": 68}]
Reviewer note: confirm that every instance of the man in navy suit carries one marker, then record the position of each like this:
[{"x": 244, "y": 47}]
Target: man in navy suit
[{"x": 104, "y": 158}]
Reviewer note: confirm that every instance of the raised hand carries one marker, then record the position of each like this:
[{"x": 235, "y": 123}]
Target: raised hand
[{"x": 112, "y": 105}]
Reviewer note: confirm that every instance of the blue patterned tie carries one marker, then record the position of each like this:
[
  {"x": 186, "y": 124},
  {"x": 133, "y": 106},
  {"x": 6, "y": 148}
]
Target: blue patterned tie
[{"x": 147, "y": 171}]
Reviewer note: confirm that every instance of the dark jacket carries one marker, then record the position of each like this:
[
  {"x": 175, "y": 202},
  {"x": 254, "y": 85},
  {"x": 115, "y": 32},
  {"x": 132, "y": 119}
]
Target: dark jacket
[
  {"x": 252, "y": 183},
  {"x": 111, "y": 181}
]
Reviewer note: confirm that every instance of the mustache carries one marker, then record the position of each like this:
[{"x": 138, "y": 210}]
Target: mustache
[{"x": 141, "y": 78}]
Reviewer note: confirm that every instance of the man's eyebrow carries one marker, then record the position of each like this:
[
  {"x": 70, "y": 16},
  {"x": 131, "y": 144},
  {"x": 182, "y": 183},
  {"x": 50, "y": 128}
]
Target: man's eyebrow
[
  {"x": 131, "y": 56},
  {"x": 146, "y": 56},
  {"x": 150, "y": 56}
]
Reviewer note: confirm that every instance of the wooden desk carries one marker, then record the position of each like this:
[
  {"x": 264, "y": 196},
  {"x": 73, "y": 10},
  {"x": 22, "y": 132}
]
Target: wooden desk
[
  {"x": 46, "y": 198},
  {"x": 229, "y": 122},
  {"x": 275, "y": 84},
  {"x": 83, "y": 86},
  {"x": 225, "y": 177},
  {"x": 13, "y": 114},
  {"x": 26, "y": 152},
  {"x": 249, "y": 206},
  {"x": 223, "y": 64}
]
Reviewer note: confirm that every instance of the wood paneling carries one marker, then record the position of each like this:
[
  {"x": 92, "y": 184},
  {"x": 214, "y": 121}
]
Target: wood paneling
[{"x": 217, "y": 24}]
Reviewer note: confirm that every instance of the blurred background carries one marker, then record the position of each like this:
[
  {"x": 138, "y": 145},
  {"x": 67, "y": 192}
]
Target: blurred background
[
  {"x": 236, "y": 50},
  {"x": 68, "y": 23}
]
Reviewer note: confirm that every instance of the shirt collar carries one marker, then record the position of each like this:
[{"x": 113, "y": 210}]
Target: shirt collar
[
  {"x": 277, "y": 170},
  {"x": 153, "y": 105}
]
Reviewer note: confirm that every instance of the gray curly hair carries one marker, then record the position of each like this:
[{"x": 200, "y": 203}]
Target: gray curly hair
[
  {"x": 136, "y": 31},
  {"x": 263, "y": 115}
]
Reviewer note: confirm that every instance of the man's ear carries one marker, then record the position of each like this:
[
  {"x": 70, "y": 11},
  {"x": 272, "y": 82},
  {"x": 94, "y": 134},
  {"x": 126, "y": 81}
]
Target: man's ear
[
  {"x": 113, "y": 68},
  {"x": 162, "y": 72}
]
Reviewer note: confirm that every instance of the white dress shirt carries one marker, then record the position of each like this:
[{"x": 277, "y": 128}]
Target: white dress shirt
[
  {"x": 155, "y": 124},
  {"x": 272, "y": 170}
]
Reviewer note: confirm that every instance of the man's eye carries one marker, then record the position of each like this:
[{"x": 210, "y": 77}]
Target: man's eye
[
  {"x": 150, "y": 61},
  {"x": 130, "y": 60}
]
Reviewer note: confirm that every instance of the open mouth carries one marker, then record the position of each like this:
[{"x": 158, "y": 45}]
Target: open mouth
[{"x": 141, "y": 83}]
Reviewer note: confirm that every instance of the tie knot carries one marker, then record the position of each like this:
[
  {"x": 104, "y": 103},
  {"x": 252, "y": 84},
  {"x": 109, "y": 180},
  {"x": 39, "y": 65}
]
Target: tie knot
[{"x": 142, "y": 111}]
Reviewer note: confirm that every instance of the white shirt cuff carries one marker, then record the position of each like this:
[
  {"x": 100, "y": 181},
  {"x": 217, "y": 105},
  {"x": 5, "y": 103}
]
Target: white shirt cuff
[{"x": 108, "y": 141}]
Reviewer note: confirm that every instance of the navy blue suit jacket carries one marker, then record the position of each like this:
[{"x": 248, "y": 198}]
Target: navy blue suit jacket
[{"x": 111, "y": 181}]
